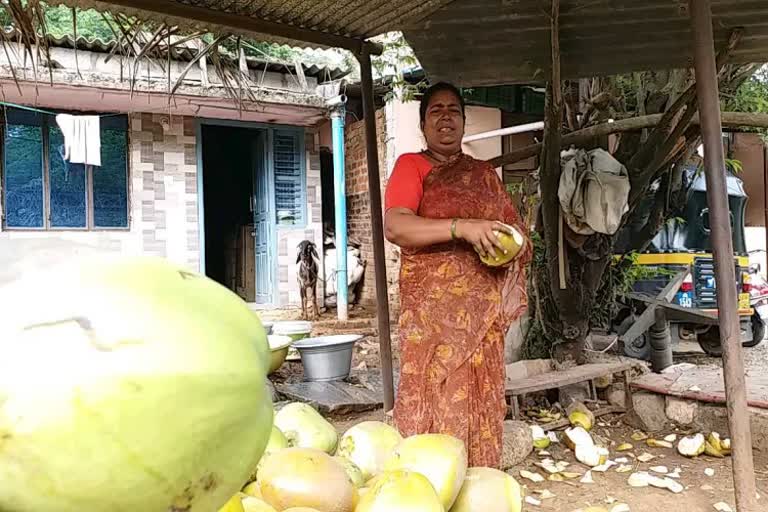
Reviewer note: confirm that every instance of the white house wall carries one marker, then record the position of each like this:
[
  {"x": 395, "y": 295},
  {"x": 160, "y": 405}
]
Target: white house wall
[
  {"x": 406, "y": 137},
  {"x": 162, "y": 197},
  {"x": 163, "y": 205}
]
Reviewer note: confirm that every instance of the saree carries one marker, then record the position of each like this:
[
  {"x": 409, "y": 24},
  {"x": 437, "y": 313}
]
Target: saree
[{"x": 454, "y": 314}]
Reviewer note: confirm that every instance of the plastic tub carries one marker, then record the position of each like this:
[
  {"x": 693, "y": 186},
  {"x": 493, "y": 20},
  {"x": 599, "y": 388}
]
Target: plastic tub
[
  {"x": 278, "y": 349},
  {"x": 296, "y": 330},
  {"x": 327, "y": 358}
]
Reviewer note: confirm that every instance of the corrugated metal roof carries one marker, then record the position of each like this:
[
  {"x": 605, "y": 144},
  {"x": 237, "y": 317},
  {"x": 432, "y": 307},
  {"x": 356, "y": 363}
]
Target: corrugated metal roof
[
  {"x": 491, "y": 42},
  {"x": 186, "y": 52},
  {"x": 353, "y": 19}
]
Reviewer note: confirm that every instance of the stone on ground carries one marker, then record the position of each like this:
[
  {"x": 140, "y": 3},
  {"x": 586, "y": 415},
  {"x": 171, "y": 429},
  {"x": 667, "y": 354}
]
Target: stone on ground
[
  {"x": 616, "y": 395},
  {"x": 650, "y": 414},
  {"x": 682, "y": 412},
  {"x": 517, "y": 443},
  {"x": 574, "y": 393}
]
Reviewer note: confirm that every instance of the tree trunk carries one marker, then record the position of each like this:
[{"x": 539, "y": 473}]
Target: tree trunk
[
  {"x": 568, "y": 269},
  {"x": 565, "y": 280},
  {"x": 564, "y": 313}
]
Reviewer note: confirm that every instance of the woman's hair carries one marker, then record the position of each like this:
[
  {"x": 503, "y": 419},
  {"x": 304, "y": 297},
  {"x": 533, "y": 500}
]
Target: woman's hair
[{"x": 434, "y": 89}]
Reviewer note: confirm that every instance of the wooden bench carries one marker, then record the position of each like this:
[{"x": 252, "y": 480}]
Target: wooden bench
[{"x": 576, "y": 375}]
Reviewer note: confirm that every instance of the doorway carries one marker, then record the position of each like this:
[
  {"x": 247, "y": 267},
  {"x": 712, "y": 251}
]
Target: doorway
[{"x": 237, "y": 227}]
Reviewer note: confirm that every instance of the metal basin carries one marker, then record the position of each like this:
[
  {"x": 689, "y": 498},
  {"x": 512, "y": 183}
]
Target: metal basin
[
  {"x": 327, "y": 358},
  {"x": 278, "y": 350}
]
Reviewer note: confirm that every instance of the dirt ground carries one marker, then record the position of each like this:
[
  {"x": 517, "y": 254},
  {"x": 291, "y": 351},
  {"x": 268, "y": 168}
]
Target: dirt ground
[{"x": 701, "y": 492}]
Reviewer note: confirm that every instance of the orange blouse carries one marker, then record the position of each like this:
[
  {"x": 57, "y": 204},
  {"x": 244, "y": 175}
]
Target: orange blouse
[{"x": 406, "y": 184}]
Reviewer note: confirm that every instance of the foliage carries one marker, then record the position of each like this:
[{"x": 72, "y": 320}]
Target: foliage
[
  {"x": 394, "y": 63},
  {"x": 734, "y": 165},
  {"x": 751, "y": 96},
  {"x": 263, "y": 50},
  {"x": 90, "y": 23},
  {"x": 731, "y": 164}
]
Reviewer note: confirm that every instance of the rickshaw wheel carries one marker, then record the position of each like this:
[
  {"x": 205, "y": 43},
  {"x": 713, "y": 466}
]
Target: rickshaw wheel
[
  {"x": 758, "y": 331},
  {"x": 709, "y": 342},
  {"x": 640, "y": 347}
]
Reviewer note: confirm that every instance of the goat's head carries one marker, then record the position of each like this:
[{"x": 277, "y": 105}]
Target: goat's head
[{"x": 307, "y": 252}]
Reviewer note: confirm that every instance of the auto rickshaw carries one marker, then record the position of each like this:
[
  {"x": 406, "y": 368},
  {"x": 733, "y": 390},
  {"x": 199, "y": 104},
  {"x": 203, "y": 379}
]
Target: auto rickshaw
[{"x": 684, "y": 244}]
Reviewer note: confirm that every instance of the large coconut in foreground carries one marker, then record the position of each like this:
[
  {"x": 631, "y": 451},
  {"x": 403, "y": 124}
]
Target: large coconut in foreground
[{"x": 128, "y": 384}]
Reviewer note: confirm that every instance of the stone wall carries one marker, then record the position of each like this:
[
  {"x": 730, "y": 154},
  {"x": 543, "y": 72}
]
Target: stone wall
[
  {"x": 162, "y": 174},
  {"x": 358, "y": 205}
]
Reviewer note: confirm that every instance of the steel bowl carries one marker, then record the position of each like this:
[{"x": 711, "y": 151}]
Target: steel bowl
[{"x": 327, "y": 358}]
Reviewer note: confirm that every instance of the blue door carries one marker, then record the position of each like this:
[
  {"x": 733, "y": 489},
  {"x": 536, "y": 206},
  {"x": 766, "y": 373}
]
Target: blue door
[{"x": 262, "y": 221}]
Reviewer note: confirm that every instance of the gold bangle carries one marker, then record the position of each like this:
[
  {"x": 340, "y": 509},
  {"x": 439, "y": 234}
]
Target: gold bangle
[{"x": 453, "y": 228}]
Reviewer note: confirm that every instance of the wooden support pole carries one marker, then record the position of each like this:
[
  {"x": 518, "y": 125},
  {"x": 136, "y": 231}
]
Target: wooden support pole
[
  {"x": 550, "y": 169},
  {"x": 722, "y": 248},
  {"x": 765, "y": 202},
  {"x": 377, "y": 228}
]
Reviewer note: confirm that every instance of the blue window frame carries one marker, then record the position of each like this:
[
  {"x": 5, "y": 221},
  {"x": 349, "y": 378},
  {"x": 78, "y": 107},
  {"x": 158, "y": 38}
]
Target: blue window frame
[
  {"x": 23, "y": 176},
  {"x": 288, "y": 164},
  {"x": 42, "y": 191}
]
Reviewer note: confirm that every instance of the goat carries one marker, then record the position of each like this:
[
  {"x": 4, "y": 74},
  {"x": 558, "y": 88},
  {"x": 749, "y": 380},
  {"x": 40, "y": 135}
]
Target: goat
[{"x": 307, "y": 259}]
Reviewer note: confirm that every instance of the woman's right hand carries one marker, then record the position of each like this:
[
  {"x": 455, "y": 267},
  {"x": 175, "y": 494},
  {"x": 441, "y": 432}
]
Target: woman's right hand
[{"x": 482, "y": 234}]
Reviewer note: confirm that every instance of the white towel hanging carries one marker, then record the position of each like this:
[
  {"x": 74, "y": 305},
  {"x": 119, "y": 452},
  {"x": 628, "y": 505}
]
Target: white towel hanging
[{"x": 82, "y": 138}]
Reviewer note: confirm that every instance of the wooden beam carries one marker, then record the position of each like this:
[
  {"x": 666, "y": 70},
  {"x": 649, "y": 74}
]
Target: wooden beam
[
  {"x": 249, "y": 24},
  {"x": 729, "y": 119}
]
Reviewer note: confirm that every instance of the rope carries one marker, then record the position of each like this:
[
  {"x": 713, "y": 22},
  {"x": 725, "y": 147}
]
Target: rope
[{"x": 43, "y": 111}]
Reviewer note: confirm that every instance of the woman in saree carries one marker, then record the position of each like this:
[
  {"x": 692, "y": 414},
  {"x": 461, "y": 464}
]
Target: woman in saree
[{"x": 443, "y": 208}]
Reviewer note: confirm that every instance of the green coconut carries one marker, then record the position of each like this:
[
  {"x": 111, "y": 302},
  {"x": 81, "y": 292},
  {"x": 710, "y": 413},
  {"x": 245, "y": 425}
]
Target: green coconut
[
  {"x": 512, "y": 245},
  {"x": 369, "y": 445},
  {"x": 128, "y": 384},
  {"x": 277, "y": 441},
  {"x": 234, "y": 504},
  {"x": 441, "y": 458},
  {"x": 305, "y": 477},
  {"x": 353, "y": 472},
  {"x": 304, "y": 427},
  {"x": 253, "y": 504},
  {"x": 489, "y": 490},
  {"x": 401, "y": 491}
]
